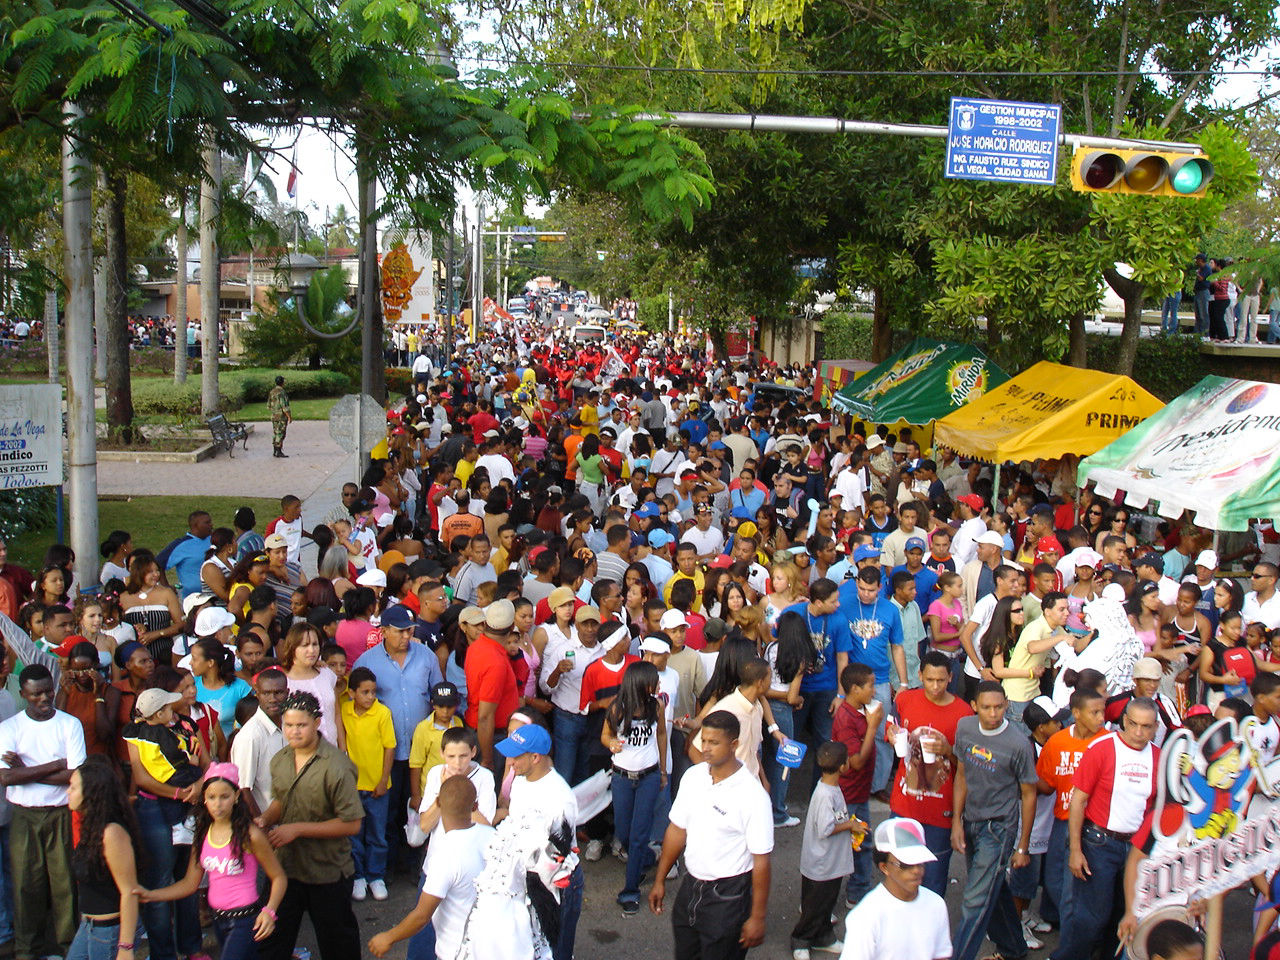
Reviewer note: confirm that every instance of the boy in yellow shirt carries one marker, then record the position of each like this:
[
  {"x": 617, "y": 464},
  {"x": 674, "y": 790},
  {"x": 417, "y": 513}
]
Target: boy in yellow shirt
[
  {"x": 424, "y": 750},
  {"x": 371, "y": 745}
]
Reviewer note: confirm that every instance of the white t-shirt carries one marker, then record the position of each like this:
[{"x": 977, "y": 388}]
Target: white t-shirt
[
  {"x": 709, "y": 541},
  {"x": 451, "y": 876},
  {"x": 1267, "y": 613},
  {"x": 1265, "y": 737},
  {"x": 850, "y": 487},
  {"x": 725, "y": 823},
  {"x": 883, "y": 926},
  {"x": 292, "y": 533},
  {"x": 668, "y": 691},
  {"x": 983, "y": 610},
  {"x": 486, "y": 797},
  {"x": 61, "y": 737},
  {"x": 549, "y": 797},
  {"x": 498, "y": 467}
]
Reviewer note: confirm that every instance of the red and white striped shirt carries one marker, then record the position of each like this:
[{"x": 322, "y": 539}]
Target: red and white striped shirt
[{"x": 1120, "y": 782}]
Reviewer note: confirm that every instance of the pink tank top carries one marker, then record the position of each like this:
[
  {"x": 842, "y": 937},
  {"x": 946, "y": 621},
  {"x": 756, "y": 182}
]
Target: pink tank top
[{"x": 233, "y": 881}]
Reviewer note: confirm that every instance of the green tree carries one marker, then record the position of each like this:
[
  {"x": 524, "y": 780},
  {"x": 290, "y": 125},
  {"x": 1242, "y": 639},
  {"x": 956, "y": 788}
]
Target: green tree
[{"x": 277, "y": 338}]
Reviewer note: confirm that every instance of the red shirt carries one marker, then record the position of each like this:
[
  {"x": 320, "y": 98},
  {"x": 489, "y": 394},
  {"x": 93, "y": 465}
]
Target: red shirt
[
  {"x": 602, "y": 679},
  {"x": 1120, "y": 782},
  {"x": 482, "y": 422},
  {"x": 932, "y": 805},
  {"x": 849, "y": 726},
  {"x": 490, "y": 679}
]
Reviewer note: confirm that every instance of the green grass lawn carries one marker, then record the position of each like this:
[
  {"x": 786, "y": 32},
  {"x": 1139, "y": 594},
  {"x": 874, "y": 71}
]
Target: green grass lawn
[
  {"x": 304, "y": 408},
  {"x": 153, "y": 521}
]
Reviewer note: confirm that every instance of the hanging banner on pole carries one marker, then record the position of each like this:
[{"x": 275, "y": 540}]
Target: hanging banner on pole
[
  {"x": 1004, "y": 141},
  {"x": 30, "y": 436}
]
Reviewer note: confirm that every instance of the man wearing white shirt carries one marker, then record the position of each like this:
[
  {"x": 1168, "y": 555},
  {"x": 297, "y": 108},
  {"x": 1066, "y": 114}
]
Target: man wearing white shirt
[
  {"x": 723, "y": 824},
  {"x": 1262, "y": 603},
  {"x": 850, "y": 489},
  {"x": 492, "y": 460},
  {"x": 964, "y": 546},
  {"x": 564, "y": 660},
  {"x": 260, "y": 739},
  {"x": 39, "y": 749}
]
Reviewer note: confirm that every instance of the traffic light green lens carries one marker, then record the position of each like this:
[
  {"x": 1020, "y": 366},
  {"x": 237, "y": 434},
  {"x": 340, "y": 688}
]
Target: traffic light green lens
[{"x": 1188, "y": 179}]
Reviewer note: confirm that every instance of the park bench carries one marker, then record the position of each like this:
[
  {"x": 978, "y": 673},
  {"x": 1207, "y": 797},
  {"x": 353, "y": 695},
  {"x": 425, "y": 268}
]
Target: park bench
[{"x": 226, "y": 433}]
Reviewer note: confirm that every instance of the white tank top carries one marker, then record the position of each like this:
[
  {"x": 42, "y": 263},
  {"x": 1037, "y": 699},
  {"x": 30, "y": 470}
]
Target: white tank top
[{"x": 639, "y": 747}]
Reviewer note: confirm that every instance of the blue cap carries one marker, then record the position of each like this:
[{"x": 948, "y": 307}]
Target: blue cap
[
  {"x": 865, "y": 552},
  {"x": 717, "y": 445},
  {"x": 914, "y": 543},
  {"x": 398, "y": 616},
  {"x": 650, "y": 509},
  {"x": 660, "y": 538},
  {"x": 531, "y": 738}
]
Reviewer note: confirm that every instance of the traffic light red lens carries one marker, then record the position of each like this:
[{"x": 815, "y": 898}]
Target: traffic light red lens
[{"x": 1102, "y": 172}]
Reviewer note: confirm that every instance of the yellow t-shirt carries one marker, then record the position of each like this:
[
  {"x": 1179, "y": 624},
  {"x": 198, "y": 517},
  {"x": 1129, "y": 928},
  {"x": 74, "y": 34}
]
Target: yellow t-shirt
[
  {"x": 463, "y": 471},
  {"x": 368, "y": 738},
  {"x": 1022, "y": 687},
  {"x": 590, "y": 420},
  {"x": 699, "y": 585},
  {"x": 424, "y": 750},
  {"x": 500, "y": 560}
]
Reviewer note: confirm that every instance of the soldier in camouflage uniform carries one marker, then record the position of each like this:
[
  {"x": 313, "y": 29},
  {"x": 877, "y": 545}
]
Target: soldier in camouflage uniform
[{"x": 281, "y": 417}]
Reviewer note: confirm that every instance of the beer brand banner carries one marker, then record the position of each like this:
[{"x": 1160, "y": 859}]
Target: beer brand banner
[
  {"x": 1214, "y": 450},
  {"x": 925, "y": 380},
  {"x": 1046, "y": 412}
]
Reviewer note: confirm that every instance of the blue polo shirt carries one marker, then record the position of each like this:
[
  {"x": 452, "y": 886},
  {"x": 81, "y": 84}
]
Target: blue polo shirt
[
  {"x": 405, "y": 690},
  {"x": 926, "y": 585},
  {"x": 874, "y": 629},
  {"x": 187, "y": 557},
  {"x": 830, "y": 635}
]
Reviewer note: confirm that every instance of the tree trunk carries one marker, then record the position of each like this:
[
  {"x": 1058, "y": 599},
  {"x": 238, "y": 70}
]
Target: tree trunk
[
  {"x": 119, "y": 389},
  {"x": 180, "y": 288},
  {"x": 1077, "y": 349},
  {"x": 210, "y": 276},
  {"x": 881, "y": 335},
  {"x": 1131, "y": 293},
  {"x": 373, "y": 374}
]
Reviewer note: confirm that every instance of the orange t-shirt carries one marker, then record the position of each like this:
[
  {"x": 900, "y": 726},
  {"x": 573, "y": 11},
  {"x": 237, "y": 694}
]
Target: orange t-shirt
[
  {"x": 460, "y": 524},
  {"x": 1057, "y": 765},
  {"x": 571, "y": 445}
]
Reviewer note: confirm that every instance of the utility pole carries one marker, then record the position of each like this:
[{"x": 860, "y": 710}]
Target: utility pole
[
  {"x": 180, "y": 293},
  {"x": 210, "y": 274},
  {"x": 82, "y": 443},
  {"x": 51, "y": 334},
  {"x": 477, "y": 274},
  {"x": 371, "y": 360},
  {"x": 448, "y": 289}
]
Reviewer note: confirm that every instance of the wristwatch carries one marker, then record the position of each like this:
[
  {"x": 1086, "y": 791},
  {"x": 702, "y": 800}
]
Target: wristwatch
[{"x": 1023, "y": 850}]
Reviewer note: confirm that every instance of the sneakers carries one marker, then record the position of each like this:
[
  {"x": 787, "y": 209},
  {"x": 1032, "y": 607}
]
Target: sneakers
[
  {"x": 630, "y": 907},
  {"x": 379, "y": 889},
  {"x": 1033, "y": 942},
  {"x": 594, "y": 851},
  {"x": 789, "y": 822},
  {"x": 800, "y": 953},
  {"x": 618, "y": 850},
  {"x": 1035, "y": 923},
  {"x": 359, "y": 888},
  {"x": 835, "y": 947}
]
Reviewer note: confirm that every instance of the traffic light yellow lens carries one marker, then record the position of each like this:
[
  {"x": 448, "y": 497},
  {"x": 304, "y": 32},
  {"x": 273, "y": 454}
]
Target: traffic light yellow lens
[
  {"x": 1188, "y": 179},
  {"x": 1145, "y": 174}
]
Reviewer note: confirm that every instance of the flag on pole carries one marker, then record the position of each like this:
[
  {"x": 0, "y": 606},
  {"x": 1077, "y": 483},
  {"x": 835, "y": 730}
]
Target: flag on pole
[{"x": 291, "y": 187}]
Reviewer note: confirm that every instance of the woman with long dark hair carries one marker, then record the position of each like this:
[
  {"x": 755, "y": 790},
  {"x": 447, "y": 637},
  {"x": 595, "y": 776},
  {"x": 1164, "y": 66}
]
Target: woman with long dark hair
[
  {"x": 1001, "y": 635},
  {"x": 104, "y": 863},
  {"x": 214, "y": 667},
  {"x": 790, "y": 657},
  {"x": 635, "y": 732},
  {"x": 152, "y": 608},
  {"x": 247, "y": 575},
  {"x": 114, "y": 550},
  {"x": 215, "y": 572},
  {"x": 358, "y": 607},
  {"x": 230, "y": 848}
]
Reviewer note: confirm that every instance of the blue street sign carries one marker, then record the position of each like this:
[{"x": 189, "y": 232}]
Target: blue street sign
[{"x": 1003, "y": 140}]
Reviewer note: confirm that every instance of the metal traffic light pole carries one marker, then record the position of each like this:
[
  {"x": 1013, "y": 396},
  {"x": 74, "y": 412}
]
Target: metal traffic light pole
[{"x": 792, "y": 124}]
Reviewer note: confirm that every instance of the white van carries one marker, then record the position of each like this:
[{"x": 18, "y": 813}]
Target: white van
[{"x": 587, "y": 333}]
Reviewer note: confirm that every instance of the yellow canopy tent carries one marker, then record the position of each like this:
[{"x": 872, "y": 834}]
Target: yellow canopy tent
[{"x": 1046, "y": 412}]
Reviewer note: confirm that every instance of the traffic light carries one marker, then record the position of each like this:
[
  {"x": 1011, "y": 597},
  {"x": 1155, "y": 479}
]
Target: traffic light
[{"x": 1149, "y": 172}]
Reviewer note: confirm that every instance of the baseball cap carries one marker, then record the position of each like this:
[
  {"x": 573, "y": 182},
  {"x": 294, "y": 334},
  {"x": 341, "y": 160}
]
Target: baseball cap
[
  {"x": 275, "y": 542},
  {"x": 1084, "y": 557},
  {"x": 672, "y": 619},
  {"x": 865, "y": 552},
  {"x": 560, "y": 596},
  {"x": 1048, "y": 544},
  {"x": 212, "y": 619},
  {"x": 715, "y": 628},
  {"x": 191, "y": 601},
  {"x": 972, "y": 500},
  {"x": 914, "y": 543},
  {"x": 1197, "y": 710},
  {"x": 650, "y": 509},
  {"x": 500, "y": 614},
  {"x": 721, "y": 562},
  {"x": 899, "y": 447},
  {"x": 660, "y": 538},
  {"x": 1152, "y": 560},
  {"x": 875, "y": 442},
  {"x": 1148, "y": 668},
  {"x": 990, "y": 538},
  {"x": 444, "y": 695},
  {"x": 520, "y": 423},
  {"x": 1113, "y": 591},
  {"x": 321, "y": 617},
  {"x": 653, "y": 644},
  {"x": 531, "y": 738},
  {"x": 1207, "y": 559},
  {"x": 490, "y": 434},
  {"x": 904, "y": 839},
  {"x": 150, "y": 702},
  {"x": 702, "y": 508},
  {"x": 471, "y": 615},
  {"x": 372, "y": 578},
  {"x": 398, "y": 617},
  {"x": 1041, "y": 710},
  {"x": 586, "y": 612}
]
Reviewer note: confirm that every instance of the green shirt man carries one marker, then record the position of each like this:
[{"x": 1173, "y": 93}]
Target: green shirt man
[{"x": 281, "y": 416}]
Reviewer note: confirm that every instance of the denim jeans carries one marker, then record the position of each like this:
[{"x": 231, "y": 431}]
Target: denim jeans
[
  {"x": 6, "y": 888},
  {"x": 422, "y": 945},
  {"x": 235, "y": 937},
  {"x": 784, "y": 717},
  {"x": 1169, "y": 314},
  {"x": 884, "y": 749},
  {"x": 814, "y": 716},
  {"x": 369, "y": 846},
  {"x": 938, "y": 839},
  {"x": 862, "y": 878},
  {"x": 570, "y": 910},
  {"x": 95, "y": 942},
  {"x": 1202, "y": 312},
  {"x": 987, "y": 907},
  {"x": 1093, "y": 899},
  {"x": 633, "y": 803},
  {"x": 1272, "y": 332},
  {"x": 569, "y": 745},
  {"x": 1057, "y": 877},
  {"x": 661, "y": 814},
  {"x": 163, "y": 864}
]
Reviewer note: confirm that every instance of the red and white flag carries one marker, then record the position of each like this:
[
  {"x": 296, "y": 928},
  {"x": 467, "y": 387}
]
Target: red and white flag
[{"x": 291, "y": 187}]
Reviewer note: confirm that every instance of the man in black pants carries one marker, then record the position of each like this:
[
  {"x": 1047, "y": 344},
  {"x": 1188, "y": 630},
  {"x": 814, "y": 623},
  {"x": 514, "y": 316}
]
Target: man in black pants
[{"x": 722, "y": 821}]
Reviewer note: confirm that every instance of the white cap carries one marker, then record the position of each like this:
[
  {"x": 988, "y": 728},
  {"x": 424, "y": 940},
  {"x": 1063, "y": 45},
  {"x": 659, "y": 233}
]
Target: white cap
[
  {"x": 1113, "y": 591},
  {"x": 992, "y": 539},
  {"x": 1084, "y": 557},
  {"x": 212, "y": 619},
  {"x": 904, "y": 838},
  {"x": 372, "y": 578},
  {"x": 1207, "y": 558},
  {"x": 193, "y": 600},
  {"x": 672, "y": 619}
]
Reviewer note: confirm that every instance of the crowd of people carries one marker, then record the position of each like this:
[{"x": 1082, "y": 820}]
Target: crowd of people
[{"x": 608, "y": 602}]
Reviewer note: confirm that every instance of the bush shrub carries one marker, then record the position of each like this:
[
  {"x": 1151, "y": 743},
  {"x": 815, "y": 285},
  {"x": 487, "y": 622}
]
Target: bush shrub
[
  {"x": 237, "y": 387},
  {"x": 846, "y": 336},
  {"x": 27, "y": 511},
  {"x": 399, "y": 379},
  {"x": 1166, "y": 366}
]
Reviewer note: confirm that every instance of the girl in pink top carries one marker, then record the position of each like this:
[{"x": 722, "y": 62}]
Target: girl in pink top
[{"x": 229, "y": 848}]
